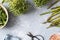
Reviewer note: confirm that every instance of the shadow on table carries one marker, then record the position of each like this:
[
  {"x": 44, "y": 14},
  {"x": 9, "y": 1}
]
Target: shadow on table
[{"x": 13, "y": 19}]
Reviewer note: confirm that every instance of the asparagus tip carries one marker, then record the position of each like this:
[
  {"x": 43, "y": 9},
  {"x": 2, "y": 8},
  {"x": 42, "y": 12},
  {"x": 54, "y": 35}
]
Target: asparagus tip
[
  {"x": 45, "y": 13},
  {"x": 44, "y": 22}
]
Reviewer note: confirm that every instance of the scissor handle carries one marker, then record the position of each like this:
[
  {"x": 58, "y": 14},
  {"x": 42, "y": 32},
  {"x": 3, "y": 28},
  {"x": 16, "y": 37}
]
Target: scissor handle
[
  {"x": 36, "y": 36},
  {"x": 40, "y": 36}
]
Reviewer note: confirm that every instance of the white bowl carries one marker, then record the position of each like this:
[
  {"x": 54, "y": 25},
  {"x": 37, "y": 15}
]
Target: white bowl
[{"x": 6, "y": 14}]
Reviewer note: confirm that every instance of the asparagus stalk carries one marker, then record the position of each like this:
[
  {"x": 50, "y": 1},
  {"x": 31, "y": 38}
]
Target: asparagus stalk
[
  {"x": 55, "y": 22},
  {"x": 53, "y": 3}
]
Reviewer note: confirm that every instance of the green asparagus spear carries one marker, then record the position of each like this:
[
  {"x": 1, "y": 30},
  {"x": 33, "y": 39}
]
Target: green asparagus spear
[
  {"x": 52, "y": 16},
  {"x": 53, "y": 3},
  {"x": 55, "y": 22}
]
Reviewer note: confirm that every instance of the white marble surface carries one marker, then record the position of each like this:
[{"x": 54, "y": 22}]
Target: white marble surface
[{"x": 30, "y": 22}]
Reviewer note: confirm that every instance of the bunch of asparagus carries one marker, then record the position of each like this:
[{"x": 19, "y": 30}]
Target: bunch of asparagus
[{"x": 54, "y": 19}]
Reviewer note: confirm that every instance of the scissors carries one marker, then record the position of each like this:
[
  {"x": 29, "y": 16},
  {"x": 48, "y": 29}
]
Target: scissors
[{"x": 36, "y": 36}]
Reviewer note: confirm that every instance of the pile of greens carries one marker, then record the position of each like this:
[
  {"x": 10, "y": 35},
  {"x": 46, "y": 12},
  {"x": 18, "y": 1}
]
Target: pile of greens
[
  {"x": 17, "y": 7},
  {"x": 3, "y": 17},
  {"x": 41, "y": 2}
]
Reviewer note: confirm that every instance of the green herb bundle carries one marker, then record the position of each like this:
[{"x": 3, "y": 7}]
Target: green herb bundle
[
  {"x": 3, "y": 17},
  {"x": 18, "y": 7},
  {"x": 54, "y": 19},
  {"x": 41, "y": 2}
]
